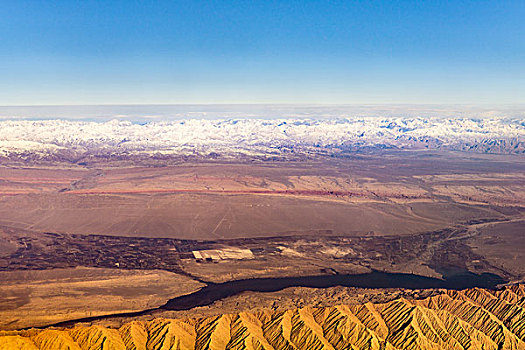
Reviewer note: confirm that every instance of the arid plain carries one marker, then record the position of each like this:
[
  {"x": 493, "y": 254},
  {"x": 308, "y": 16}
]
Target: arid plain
[{"x": 124, "y": 235}]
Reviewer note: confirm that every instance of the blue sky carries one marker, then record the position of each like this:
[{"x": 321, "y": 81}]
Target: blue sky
[{"x": 334, "y": 52}]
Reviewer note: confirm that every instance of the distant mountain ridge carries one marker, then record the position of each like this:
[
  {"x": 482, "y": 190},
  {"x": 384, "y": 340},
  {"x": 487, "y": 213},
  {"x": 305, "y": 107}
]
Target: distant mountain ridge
[
  {"x": 72, "y": 140},
  {"x": 468, "y": 319}
]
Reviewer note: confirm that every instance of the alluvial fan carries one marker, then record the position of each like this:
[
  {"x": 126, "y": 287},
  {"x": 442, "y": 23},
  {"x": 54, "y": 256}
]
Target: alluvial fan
[{"x": 468, "y": 319}]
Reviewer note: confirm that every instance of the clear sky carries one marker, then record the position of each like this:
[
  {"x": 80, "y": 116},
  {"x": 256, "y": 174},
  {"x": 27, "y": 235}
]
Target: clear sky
[{"x": 141, "y": 52}]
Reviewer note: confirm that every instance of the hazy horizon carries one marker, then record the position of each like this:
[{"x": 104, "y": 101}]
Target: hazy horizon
[{"x": 157, "y": 112}]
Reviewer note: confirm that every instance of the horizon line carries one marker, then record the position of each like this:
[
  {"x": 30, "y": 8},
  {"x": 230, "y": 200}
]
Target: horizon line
[{"x": 264, "y": 104}]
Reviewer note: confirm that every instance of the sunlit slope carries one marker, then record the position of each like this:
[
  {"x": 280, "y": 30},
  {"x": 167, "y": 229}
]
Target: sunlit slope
[{"x": 470, "y": 319}]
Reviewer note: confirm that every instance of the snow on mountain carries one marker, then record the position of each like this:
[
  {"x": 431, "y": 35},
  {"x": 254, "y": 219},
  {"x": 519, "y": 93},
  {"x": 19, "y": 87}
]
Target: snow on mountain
[{"x": 260, "y": 136}]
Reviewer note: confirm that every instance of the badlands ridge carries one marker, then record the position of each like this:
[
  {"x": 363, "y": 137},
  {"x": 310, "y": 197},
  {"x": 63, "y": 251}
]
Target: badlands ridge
[{"x": 468, "y": 319}]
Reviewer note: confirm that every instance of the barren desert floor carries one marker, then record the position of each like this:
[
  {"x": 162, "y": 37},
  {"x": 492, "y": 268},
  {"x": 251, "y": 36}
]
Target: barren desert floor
[{"x": 86, "y": 241}]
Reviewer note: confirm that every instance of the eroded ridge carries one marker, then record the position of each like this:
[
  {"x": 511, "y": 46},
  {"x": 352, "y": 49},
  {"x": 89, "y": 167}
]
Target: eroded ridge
[{"x": 470, "y": 319}]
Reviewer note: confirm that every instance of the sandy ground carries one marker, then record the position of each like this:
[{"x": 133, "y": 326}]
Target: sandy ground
[{"x": 35, "y": 298}]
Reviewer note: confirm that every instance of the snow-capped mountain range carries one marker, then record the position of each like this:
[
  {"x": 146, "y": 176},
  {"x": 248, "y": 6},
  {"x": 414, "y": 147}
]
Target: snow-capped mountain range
[{"x": 258, "y": 137}]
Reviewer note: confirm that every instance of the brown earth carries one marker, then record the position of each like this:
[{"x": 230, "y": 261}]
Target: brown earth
[
  {"x": 38, "y": 298},
  {"x": 411, "y": 212},
  {"x": 401, "y": 193}
]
